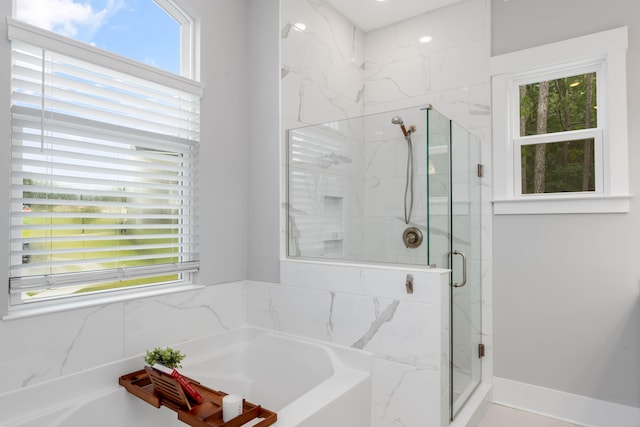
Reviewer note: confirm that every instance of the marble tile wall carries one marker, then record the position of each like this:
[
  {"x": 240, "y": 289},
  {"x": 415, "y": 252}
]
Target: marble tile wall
[
  {"x": 322, "y": 80},
  {"x": 450, "y": 72},
  {"x": 322, "y": 67},
  {"x": 386, "y": 153},
  {"x": 50, "y": 346},
  {"x": 362, "y": 163},
  {"x": 368, "y": 308},
  {"x": 325, "y": 190},
  {"x": 394, "y": 71}
]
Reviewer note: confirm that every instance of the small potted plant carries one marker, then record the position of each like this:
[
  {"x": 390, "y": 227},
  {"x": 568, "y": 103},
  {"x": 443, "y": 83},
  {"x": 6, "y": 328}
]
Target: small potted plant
[
  {"x": 167, "y": 361},
  {"x": 168, "y": 357}
]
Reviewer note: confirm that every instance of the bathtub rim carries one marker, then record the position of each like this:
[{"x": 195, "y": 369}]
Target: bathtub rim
[{"x": 349, "y": 357}]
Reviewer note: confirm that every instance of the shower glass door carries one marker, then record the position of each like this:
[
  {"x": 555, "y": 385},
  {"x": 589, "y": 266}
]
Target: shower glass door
[{"x": 454, "y": 242}]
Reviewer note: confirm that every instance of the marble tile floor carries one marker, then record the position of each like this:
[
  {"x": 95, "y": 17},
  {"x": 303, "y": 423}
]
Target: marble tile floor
[{"x": 502, "y": 416}]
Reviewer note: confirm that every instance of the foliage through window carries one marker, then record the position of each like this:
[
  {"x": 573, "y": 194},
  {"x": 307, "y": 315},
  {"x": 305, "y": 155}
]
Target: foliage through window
[{"x": 558, "y": 106}]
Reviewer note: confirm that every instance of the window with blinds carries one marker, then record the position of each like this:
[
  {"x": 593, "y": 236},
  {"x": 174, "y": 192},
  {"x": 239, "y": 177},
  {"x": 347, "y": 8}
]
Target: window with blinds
[{"x": 103, "y": 178}]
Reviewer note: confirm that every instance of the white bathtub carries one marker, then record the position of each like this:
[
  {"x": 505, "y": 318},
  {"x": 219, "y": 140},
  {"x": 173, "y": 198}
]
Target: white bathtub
[{"x": 308, "y": 383}]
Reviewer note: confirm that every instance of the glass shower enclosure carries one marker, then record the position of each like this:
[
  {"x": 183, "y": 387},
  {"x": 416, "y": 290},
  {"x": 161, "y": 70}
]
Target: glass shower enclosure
[
  {"x": 454, "y": 231},
  {"x": 400, "y": 188}
]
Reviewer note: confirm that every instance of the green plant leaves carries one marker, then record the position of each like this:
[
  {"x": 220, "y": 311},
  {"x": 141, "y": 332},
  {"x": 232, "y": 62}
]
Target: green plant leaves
[{"x": 167, "y": 357}]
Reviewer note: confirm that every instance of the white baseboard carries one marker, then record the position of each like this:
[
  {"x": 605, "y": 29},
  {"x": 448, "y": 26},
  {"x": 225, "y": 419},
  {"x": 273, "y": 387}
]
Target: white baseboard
[{"x": 568, "y": 407}]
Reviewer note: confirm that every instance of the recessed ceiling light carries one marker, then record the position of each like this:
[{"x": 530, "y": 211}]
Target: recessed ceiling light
[
  {"x": 425, "y": 39},
  {"x": 574, "y": 84},
  {"x": 300, "y": 26}
]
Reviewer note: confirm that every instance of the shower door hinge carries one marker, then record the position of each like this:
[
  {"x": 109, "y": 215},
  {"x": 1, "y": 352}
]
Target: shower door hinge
[
  {"x": 480, "y": 351},
  {"x": 480, "y": 170}
]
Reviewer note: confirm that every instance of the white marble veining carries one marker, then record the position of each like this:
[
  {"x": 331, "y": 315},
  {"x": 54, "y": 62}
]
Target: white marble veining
[
  {"x": 366, "y": 307},
  {"x": 401, "y": 71},
  {"x": 67, "y": 342},
  {"x": 204, "y": 312},
  {"x": 322, "y": 66},
  {"x": 75, "y": 340},
  {"x": 404, "y": 395}
]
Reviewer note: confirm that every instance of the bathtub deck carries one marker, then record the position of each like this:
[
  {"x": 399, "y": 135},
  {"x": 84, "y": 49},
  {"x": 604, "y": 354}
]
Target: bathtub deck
[{"x": 207, "y": 414}]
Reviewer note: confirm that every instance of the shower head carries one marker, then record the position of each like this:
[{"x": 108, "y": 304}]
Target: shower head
[{"x": 397, "y": 120}]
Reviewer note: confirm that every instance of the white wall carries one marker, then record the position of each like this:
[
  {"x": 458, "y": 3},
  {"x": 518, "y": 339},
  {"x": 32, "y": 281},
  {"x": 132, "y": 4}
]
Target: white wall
[
  {"x": 224, "y": 146},
  {"x": 566, "y": 287},
  {"x": 44, "y": 347},
  {"x": 262, "y": 60}
]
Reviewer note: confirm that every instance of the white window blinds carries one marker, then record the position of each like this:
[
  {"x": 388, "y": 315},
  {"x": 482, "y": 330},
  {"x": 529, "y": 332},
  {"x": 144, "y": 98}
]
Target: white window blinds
[{"x": 103, "y": 179}]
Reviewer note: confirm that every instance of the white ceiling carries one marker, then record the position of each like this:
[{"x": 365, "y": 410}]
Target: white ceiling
[{"x": 372, "y": 14}]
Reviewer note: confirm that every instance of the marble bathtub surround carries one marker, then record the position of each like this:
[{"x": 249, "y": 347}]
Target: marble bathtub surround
[
  {"x": 367, "y": 307},
  {"x": 113, "y": 332}
]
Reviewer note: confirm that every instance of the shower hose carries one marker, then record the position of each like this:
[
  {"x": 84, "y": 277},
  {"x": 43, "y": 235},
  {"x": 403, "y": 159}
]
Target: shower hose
[{"x": 408, "y": 189}]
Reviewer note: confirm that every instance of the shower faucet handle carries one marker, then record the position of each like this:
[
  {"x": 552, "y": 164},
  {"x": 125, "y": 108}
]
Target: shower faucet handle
[{"x": 412, "y": 237}]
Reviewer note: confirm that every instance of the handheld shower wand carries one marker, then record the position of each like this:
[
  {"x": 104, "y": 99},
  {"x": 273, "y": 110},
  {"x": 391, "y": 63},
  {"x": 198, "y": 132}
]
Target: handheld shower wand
[
  {"x": 408, "y": 189},
  {"x": 397, "y": 120}
]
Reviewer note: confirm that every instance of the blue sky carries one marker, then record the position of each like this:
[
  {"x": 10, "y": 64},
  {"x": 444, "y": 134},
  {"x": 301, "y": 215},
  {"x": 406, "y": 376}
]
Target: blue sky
[{"x": 138, "y": 29}]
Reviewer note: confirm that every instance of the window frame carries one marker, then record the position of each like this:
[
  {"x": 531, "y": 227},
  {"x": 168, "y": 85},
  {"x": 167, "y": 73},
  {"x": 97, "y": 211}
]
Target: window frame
[
  {"x": 596, "y": 132},
  {"x": 604, "y": 53},
  {"x": 46, "y": 39},
  {"x": 552, "y": 138},
  {"x": 188, "y": 38}
]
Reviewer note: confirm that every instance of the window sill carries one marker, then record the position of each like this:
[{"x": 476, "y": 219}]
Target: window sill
[
  {"x": 562, "y": 205},
  {"x": 38, "y": 309}
]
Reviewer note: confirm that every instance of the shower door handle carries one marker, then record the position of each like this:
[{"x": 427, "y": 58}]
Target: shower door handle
[{"x": 464, "y": 268}]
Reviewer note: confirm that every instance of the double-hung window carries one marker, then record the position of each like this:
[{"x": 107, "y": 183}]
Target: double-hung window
[
  {"x": 559, "y": 126},
  {"x": 104, "y": 172}
]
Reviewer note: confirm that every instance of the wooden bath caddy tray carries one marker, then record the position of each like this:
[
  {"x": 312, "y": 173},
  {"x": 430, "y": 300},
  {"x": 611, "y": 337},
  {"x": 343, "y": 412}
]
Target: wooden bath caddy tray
[{"x": 159, "y": 389}]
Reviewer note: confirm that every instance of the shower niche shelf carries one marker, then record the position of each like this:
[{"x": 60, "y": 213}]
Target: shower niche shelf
[{"x": 171, "y": 395}]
